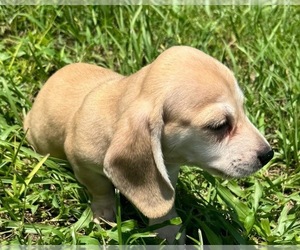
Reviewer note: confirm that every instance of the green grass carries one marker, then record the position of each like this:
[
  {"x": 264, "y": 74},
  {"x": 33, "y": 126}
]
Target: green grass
[{"x": 40, "y": 200}]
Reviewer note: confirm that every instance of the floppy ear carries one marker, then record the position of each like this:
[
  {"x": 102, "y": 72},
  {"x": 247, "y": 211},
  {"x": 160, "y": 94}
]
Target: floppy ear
[{"x": 134, "y": 161}]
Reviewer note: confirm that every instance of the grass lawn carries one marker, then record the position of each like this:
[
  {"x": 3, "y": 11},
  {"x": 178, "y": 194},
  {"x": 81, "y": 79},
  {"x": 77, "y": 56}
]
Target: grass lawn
[{"x": 40, "y": 200}]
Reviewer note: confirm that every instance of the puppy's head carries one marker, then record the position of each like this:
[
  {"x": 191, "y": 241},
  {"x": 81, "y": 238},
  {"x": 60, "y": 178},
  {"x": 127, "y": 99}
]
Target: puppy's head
[
  {"x": 205, "y": 121},
  {"x": 189, "y": 111}
]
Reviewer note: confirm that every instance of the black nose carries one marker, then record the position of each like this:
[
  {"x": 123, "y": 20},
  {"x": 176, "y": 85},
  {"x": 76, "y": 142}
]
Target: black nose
[{"x": 266, "y": 157}]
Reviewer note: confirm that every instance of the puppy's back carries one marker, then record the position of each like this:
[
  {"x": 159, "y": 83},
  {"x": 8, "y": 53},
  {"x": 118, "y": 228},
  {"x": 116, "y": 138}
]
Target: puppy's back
[{"x": 56, "y": 103}]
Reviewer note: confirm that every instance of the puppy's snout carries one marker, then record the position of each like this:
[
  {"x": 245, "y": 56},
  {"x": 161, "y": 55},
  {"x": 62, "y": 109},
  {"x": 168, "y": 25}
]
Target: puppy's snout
[{"x": 265, "y": 156}]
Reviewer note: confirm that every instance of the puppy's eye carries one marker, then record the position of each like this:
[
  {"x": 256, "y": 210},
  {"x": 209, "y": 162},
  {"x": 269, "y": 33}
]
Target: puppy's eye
[{"x": 219, "y": 126}]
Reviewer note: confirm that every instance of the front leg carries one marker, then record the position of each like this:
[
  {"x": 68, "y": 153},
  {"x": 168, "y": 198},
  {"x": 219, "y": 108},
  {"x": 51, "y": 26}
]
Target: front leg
[
  {"x": 102, "y": 193},
  {"x": 169, "y": 232}
]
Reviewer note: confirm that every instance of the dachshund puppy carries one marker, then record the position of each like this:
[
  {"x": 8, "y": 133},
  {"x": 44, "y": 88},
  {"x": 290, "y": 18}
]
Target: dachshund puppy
[{"x": 134, "y": 132}]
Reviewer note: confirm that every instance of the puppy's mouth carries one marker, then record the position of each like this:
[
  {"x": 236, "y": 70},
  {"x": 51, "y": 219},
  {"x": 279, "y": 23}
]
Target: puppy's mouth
[
  {"x": 240, "y": 172},
  {"x": 234, "y": 171},
  {"x": 216, "y": 172}
]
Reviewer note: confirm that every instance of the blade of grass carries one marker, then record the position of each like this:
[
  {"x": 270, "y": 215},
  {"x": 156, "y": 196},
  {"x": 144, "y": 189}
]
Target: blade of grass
[{"x": 32, "y": 173}]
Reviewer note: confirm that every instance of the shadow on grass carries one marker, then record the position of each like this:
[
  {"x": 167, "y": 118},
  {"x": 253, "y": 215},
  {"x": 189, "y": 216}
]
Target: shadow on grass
[{"x": 207, "y": 222}]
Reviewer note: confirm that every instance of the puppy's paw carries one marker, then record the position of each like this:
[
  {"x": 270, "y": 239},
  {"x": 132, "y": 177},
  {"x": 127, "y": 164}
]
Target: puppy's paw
[
  {"x": 103, "y": 210},
  {"x": 169, "y": 233},
  {"x": 104, "y": 216}
]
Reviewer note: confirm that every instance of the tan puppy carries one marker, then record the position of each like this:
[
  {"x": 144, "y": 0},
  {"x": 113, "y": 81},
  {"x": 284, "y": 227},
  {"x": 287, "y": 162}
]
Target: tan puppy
[{"x": 134, "y": 132}]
